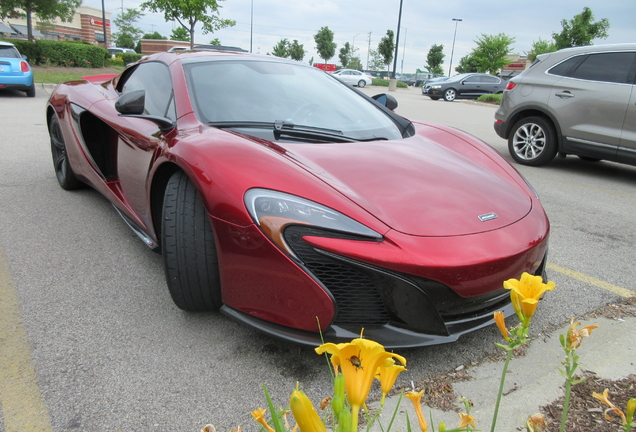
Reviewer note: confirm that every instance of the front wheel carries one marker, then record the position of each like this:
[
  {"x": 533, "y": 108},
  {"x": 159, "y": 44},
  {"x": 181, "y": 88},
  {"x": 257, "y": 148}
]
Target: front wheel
[
  {"x": 362, "y": 83},
  {"x": 450, "y": 95},
  {"x": 63, "y": 171},
  {"x": 188, "y": 248},
  {"x": 533, "y": 141}
]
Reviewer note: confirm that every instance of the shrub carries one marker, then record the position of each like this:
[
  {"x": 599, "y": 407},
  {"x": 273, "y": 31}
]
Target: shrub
[
  {"x": 71, "y": 54},
  {"x": 385, "y": 83},
  {"x": 29, "y": 49},
  {"x": 490, "y": 98},
  {"x": 129, "y": 57}
]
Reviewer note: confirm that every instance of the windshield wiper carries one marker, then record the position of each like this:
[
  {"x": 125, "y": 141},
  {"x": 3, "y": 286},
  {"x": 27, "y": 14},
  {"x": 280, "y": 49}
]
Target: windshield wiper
[{"x": 282, "y": 128}]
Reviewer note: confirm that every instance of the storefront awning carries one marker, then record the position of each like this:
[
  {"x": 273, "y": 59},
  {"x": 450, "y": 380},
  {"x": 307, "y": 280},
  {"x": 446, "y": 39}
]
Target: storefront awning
[
  {"x": 23, "y": 30},
  {"x": 6, "y": 29}
]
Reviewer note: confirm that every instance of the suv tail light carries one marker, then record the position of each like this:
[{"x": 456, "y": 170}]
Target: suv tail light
[
  {"x": 24, "y": 66},
  {"x": 510, "y": 86}
]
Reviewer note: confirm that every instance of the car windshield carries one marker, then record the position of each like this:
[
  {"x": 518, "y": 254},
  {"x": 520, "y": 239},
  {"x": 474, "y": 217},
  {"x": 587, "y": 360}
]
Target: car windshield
[
  {"x": 247, "y": 91},
  {"x": 9, "y": 52}
]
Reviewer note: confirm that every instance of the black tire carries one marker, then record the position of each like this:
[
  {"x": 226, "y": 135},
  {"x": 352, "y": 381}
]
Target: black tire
[
  {"x": 63, "y": 171},
  {"x": 362, "y": 83},
  {"x": 188, "y": 248},
  {"x": 533, "y": 141},
  {"x": 450, "y": 95},
  {"x": 588, "y": 159},
  {"x": 31, "y": 92},
  {"x": 434, "y": 98}
]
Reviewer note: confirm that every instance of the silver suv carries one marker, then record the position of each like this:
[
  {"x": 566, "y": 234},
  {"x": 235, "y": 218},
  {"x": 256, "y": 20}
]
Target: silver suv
[{"x": 579, "y": 101}]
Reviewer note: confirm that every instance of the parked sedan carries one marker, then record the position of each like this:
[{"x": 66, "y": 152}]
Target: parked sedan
[
  {"x": 464, "y": 86},
  {"x": 15, "y": 72},
  {"x": 296, "y": 204},
  {"x": 353, "y": 77}
]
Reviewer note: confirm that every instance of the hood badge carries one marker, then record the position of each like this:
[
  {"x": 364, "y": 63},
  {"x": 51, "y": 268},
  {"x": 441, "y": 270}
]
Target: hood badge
[{"x": 487, "y": 217}]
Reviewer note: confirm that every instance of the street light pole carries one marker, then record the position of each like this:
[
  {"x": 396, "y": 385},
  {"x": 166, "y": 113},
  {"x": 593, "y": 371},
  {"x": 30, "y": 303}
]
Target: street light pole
[
  {"x": 397, "y": 41},
  {"x": 457, "y": 20},
  {"x": 251, "y": 24}
]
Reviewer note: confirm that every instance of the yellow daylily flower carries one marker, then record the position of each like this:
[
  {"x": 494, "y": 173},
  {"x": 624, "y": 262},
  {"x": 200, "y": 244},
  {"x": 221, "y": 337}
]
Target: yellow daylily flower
[
  {"x": 465, "y": 420},
  {"x": 387, "y": 374},
  {"x": 525, "y": 293},
  {"x": 536, "y": 423},
  {"x": 576, "y": 337},
  {"x": 259, "y": 416},
  {"x": 500, "y": 320},
  {"x": 604, "y": 397},
  {"x": 305, "y": 414},
  {"x": 416, "y": 399},
  {"x": 358, "y": 361}
]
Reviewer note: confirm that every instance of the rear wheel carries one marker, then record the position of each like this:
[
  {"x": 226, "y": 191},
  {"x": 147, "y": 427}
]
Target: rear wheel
[
  {"x": 434, "y": 98},
  {"x": 63, "y": 171},
  {"x": 31, "y": 92},
  {"x": 449, "y": 95},
  {"x": 533, "y": 141},
  {"x": 362, "y": 83},
  {"x": 188, "y": 248}
]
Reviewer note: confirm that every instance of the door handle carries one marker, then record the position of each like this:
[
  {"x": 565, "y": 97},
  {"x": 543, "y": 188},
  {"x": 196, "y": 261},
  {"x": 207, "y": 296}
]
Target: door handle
[{"x": 564, "y": 95}]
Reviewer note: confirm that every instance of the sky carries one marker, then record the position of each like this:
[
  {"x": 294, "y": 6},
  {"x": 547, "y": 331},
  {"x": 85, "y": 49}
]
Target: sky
[{"x": 364, "y": 22}]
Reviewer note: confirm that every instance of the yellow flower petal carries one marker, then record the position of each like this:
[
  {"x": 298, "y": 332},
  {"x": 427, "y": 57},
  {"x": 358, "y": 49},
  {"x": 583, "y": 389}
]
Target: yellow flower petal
[
  {"x": 576, "y": 337},
  {"x": 416, "y": 399},
  {"x": 525, "y": 293},
  {"x": 259, "y": 416},
  {"x": 387, "y": 374},
  {"x": 536, "y": 423},
  {"x": 500, "y": 320},
  {"x": 465, "y": 420}
]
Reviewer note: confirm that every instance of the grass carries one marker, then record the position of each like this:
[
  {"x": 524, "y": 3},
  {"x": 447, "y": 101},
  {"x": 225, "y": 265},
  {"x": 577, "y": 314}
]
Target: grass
[
  {"x": 494, "y": 99},
  {"x": 56, "y": 77}
]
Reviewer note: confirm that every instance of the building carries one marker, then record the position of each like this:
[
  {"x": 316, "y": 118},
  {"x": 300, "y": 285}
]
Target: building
[{"x": 86, "y": 25}]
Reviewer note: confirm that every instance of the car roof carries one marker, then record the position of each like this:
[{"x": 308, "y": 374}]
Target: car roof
[
  {"x": 567, "y": 52},
  {"x": 6, "y": 43}
]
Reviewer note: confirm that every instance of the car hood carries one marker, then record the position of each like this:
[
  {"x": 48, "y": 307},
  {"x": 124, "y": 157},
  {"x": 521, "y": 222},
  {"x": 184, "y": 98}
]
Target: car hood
[{"x": 417, "y": 186}]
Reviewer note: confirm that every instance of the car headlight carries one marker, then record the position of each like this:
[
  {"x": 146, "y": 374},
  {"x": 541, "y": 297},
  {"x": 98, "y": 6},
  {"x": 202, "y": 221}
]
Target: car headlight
[
  {"x": 273, "y": 211},
  {"x": 436, "y": 86}
]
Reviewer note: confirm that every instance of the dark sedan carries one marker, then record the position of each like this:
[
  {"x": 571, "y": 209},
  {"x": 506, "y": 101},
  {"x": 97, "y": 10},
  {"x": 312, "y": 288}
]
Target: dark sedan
[{"x": 464, "y": 86}]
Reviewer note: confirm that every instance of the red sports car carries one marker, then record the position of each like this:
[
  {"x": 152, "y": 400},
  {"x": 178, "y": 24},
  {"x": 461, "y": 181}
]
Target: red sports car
[{"x": 296, "y": 204}]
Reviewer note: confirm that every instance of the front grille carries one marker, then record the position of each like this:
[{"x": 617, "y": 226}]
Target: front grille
[{"x": 357, "y": 299}]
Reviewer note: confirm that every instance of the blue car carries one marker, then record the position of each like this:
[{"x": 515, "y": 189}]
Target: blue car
[{"x": 15, "y": 72}]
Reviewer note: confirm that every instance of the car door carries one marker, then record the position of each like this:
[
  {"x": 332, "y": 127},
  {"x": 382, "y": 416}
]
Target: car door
[
  {"x": 591, "y": 100},
  {"x": 491, "y": 84},
  {"x": 140, "y": 139},
  {"x": 627, "y": 145},
  {"x": 471, "y": 86}
]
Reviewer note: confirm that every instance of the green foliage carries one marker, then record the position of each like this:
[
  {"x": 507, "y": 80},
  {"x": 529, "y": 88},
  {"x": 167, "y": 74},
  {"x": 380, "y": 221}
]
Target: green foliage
[
  {"x": 325, "y": 45},
  {"x": 492, "y": 52},
  {"x": 62, "y": 53},
  {"x": 281, "y": 49},
  {"x": 385, "y": 83},
  {"x": 46, "y": 10},
  {"x": 494, "y": 99},
  {"x": 215, "y": 41},
  {"x": 386, "y": 48},
  {"x": 129, "y": 57},
  {"x": 345, "y": 55},
  {"x": 376, "y": 62},
  {"x": 581, "y": 30},
  {"x": 156, "y": 35},
  {"x": 180, "y": 34},
  {"x": 355, "y": 63},
  {"x": 435, "y": 59},
  {"x": 127, "y": 34},
  {"x": 296, "y": 51},
  {"x": 467, "y": 64},
  {"x": 188, "y": 13},
  {"x": 540, "y": 47}
]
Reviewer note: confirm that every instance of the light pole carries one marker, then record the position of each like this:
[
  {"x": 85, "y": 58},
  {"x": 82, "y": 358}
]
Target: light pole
[
  {"x": 251, "y": 24},
  {"x": 457, "y": 20},
  {"x": 397, "y": 41}
]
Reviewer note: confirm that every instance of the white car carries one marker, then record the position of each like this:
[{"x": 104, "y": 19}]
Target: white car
[
  {"x": 353, "y": 77},
  {"x": 117, "y": 50}
]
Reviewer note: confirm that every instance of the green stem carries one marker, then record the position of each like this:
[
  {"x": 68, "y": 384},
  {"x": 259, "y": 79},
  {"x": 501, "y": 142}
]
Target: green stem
[
  {"x": 566, "y": 404},
  {"x": 354, "y": 418},
  {"x": 501, "y": 385}
]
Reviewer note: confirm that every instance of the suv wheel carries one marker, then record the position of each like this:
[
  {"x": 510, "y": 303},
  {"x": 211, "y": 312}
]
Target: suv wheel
[{"x": 533, "y": 141}]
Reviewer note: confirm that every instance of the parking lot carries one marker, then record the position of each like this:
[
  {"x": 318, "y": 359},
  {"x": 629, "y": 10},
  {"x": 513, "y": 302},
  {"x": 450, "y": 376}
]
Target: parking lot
[{"x": 88, "y": 326}]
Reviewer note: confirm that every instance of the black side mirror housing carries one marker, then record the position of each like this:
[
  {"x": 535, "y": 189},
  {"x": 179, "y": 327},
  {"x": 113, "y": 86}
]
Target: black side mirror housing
[
  {"x": 132, "y": 105},
  {"x": 387, "y": 100}
]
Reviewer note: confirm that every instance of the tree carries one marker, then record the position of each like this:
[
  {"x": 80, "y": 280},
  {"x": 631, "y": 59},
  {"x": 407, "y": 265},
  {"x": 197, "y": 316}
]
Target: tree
[
  {"x": 492, "y": 52},
  {"x": 188, "y": 13},
  {"x": 540, "y": 47},
  {"x": 127, "y": 34},
  {"x": 580, "y": 30},
  {"x": 325, "y": 45},
  {"x": 467, "y": 64},
  {"x": 376, "y": 62},
  {"x": 355, "y": 63},
  {"x": 46, "y": 10},
  {"x": 386, "y": 47},
  {"x": 215, "y": 41},
  {"x": 281, "y": 49},
  {"x": 435, "y": 59},
  {"x": 180, "y": 34},
  {"x": 311, "y": 61},
  {"x": 296, "y": 51},
  {"x": 345, "y": 55},
  {"x": 155, "y": 35}
]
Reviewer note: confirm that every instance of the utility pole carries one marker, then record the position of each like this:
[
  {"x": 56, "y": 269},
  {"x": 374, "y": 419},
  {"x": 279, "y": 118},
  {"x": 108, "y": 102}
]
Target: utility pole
[
  {"x": 368, "y": 50},
  {"x": 397, "y": 41},
  {"x": 403, "y": 51},
  {"x": 457, "y": 20}
]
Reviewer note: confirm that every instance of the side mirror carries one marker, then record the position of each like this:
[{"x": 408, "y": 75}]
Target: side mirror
[
  {"x": 387, "y": 100},
  {"x": 132, "y": 105}
]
